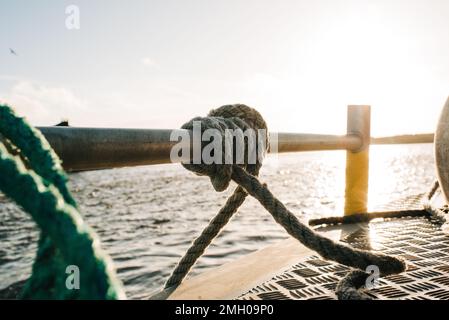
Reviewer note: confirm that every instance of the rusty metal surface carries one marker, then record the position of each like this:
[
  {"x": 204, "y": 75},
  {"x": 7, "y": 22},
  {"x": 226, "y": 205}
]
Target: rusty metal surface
[{"x": 420, "y": 241}]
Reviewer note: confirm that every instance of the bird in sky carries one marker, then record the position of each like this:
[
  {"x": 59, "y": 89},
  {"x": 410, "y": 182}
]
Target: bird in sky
[{"x": 13, "y": 52}]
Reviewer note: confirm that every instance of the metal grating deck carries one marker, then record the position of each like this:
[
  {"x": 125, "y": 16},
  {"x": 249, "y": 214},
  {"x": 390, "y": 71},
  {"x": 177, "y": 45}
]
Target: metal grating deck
[{"x": 420, "y": 241}]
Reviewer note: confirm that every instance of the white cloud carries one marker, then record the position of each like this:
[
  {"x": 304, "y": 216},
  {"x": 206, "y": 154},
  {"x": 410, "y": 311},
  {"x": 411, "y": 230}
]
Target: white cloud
[{"x": 43, "y": 105}]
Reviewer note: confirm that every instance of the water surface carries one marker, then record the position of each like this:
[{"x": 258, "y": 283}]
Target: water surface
[{"x": 146, "y": 217}]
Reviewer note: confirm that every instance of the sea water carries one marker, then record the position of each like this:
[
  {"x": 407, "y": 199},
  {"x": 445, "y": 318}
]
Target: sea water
[{"x": 146, "y": 217}]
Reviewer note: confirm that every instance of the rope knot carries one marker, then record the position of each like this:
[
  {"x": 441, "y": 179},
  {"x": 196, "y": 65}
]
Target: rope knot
[
  {"x": 245, "y": 175},
  {"x": 238, "y": 133}
]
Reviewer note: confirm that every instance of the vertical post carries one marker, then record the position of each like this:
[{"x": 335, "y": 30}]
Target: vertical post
[{"x": 357, "y": 161}]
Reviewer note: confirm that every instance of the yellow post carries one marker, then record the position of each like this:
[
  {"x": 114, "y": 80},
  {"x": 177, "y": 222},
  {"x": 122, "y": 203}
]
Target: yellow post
[{"x": 357, "y": 161}]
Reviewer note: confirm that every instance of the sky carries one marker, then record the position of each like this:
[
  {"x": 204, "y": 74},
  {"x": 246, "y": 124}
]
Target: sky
[{"x": 157, "y": 64}]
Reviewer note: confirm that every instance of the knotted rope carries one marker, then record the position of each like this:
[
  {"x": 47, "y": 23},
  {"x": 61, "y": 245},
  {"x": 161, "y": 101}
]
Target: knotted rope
[
  {"x": 37, "y": 182},
  {"x": 226, "y": 117},
  {"x": 241, "y": 116}
]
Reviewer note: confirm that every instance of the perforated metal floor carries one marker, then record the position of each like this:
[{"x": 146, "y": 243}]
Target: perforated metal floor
[{"x": 419, "y": 241}]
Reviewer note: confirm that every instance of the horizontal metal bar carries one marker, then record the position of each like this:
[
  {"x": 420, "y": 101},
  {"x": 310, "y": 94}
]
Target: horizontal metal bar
[
  {"x": 405, "y": 139},
  {"x": 100, "y": 148},
  {"x": 296, "y": 142}
]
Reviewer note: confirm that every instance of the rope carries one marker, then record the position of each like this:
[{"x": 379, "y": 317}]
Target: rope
[
  {"x": 348, "y": 287},
  {"x": 230, "y": 117},
  {"x": 433, "y": 190},
  {"x": 366, "y": 217},
  {"x": 427, "y": 210},
  {"x": 223, "y": 118},
  {"x": 37, "y": 183},
  {"x": 438, "y": 214}
]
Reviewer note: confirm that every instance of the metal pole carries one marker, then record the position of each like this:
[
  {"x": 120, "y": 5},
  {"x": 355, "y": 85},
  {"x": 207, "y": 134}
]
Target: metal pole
[
  {"x": 357, "y": 161},
  {"x": 101, "y": 148},
  {"x": 297, "y": 142},
  {"x": 98, "y": 148}
]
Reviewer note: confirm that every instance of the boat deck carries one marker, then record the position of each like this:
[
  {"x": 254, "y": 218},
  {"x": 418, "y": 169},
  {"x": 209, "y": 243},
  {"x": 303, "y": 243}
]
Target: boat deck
[
  {"x": 302, "y": 275},
  {"x": 418, "y": 240}
]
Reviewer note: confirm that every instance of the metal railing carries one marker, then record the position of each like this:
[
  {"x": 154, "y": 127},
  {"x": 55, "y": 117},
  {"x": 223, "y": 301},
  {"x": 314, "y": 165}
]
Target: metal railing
[
  {"x": 103, "y": 148},
  {"x": 99, "y": 148}
]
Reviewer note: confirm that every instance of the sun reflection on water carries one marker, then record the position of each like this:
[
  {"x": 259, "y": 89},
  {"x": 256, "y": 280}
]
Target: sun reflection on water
[{"x": 393, "y": 170}]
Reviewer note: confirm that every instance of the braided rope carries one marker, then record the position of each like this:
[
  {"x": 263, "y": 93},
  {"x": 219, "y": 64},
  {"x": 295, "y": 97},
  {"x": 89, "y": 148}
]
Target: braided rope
[
  {"x": 41, "y": 190},
  {"x": 225, "y": 117},
  {"x": 214, "y": 227},
  {"x": 325, "y": 247},
  {"x": 232, "y": 116},
  {"x": 348, "y": 287},
  {"x": 366, "y": 217},
  {"x": 436, "y": 213}
]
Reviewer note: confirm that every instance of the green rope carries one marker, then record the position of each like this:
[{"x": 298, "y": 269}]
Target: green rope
[{"x": 41, "y": 190}]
